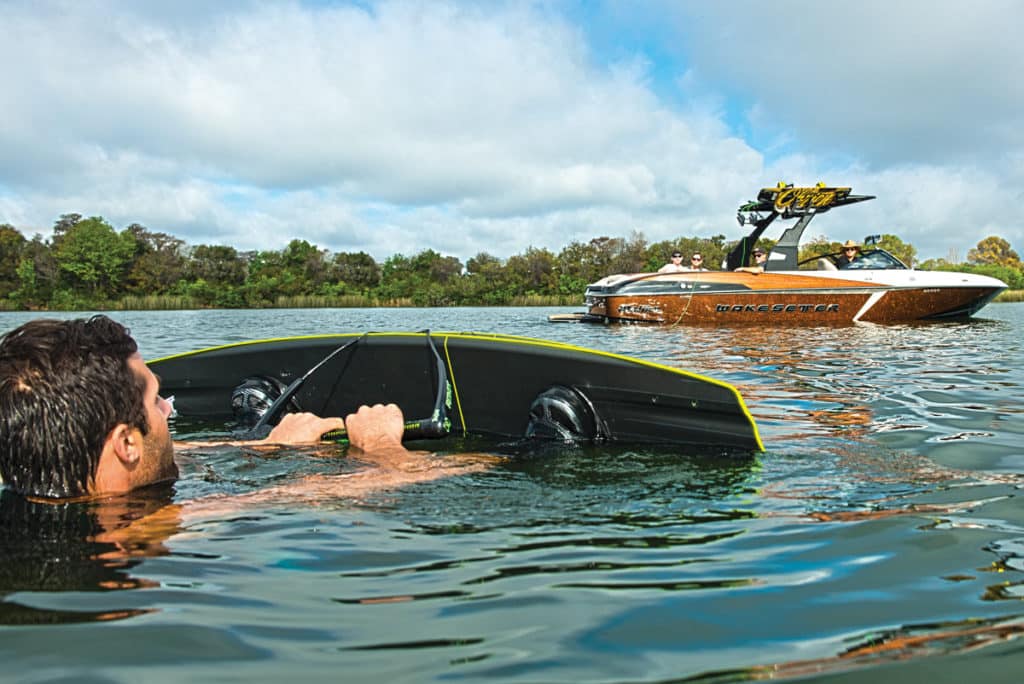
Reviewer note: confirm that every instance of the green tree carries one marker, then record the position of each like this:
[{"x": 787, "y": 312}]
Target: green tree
[
  {"x": 355, "y": 271},
  {"x": 65, "y": 223},
  {"x": 423, "y": 278},
  {"x": 532, "y": 272},
  {"x": 158, "y": 264},
  {"x": 214, "y": 276},
  {"x": 94, "y": 258},
  {"x": 435, "y": 268},
  {"x": 995, "y": 251},
  {"x": 397, "y": 278},
  {"x": 38, "y": 274},
  {"x": 631, "y": 255},
  {"x": 486, "y": 281},
  {"x": 298, "y": 269},
  {"x": 575, "y": 268},
  {"x": 216, "y": 264},
  {"x": 12, "y": 243}
]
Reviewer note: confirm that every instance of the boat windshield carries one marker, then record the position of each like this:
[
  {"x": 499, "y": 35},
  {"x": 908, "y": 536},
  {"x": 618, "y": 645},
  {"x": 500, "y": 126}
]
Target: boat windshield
[{"x": 875, "y": 259}]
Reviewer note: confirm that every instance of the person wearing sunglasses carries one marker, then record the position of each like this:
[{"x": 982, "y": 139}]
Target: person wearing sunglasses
[
  {"x": 851, "y": 250},
  {"x": 674, "y": 265},
  {"x": 697, "y": 262},
  {"x": 760, "y": 259}
]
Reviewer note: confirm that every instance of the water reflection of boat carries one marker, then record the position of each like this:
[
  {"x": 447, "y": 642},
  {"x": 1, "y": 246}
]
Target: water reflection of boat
[{"x": 876, "y": 287}]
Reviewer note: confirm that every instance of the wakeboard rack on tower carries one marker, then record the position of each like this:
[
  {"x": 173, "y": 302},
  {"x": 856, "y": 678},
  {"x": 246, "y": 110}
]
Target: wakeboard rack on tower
[{"x": 786, "y": 202}]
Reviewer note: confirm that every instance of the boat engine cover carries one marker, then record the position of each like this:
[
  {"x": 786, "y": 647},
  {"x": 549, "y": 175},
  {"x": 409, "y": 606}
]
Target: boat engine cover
[{"x": 564, "y": 414}]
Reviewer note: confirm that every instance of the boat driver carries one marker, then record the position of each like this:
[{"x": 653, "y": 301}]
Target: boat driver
[{"x": 850, "y": 252}]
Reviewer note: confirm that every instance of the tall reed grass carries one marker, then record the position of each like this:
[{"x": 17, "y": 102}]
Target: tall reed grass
[
  {"x": 155, "y": 303},
  {"x": 337, "y": 302},
  {"x": 546, "y": 300}
]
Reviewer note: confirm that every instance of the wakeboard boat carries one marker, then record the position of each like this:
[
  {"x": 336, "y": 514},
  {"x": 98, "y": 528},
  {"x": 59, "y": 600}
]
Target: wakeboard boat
[{"x": 875, "y": 287}]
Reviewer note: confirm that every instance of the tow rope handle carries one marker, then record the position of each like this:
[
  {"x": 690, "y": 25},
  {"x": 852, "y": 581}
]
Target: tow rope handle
[{"x": 438, "y": 425}]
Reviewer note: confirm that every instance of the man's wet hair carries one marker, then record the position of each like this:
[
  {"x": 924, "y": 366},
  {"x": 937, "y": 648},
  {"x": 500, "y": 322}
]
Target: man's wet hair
[{"x": 64, "y": 385}]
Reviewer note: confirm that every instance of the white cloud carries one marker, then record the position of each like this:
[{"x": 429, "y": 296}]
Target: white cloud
[
  {"x": 485, "y": 127},
  {"x": 888, "y": 82}
]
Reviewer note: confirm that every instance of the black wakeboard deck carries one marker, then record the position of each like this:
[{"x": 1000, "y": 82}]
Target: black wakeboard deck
[{"x": 489, "y": 383}]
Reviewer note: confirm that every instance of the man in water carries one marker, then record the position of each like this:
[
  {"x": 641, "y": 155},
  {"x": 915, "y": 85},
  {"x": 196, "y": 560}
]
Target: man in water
[{"x": 81, "y": 416}]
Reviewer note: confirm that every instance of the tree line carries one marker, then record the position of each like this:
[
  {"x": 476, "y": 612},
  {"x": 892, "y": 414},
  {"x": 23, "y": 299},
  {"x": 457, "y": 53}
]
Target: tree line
[{"x": 88, "y": 264}]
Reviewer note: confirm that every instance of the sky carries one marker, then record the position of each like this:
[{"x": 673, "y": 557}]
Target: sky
[{"x": 393, "y": 127}]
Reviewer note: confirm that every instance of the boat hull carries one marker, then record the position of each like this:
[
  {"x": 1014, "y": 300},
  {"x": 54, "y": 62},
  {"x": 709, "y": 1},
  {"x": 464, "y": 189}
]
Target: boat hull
[{"x": 788, "y": 298}]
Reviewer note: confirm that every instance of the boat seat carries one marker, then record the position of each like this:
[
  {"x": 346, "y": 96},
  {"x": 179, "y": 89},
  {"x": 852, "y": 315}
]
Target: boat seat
[{"x": 826, "y": 265}]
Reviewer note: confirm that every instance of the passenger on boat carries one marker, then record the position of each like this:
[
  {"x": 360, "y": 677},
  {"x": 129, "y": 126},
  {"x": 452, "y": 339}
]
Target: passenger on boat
[
  {"x": 760, "y": 257},
  {"x": 696, "y": 262},
  {"x": 675, "y": 265},
  {"x": 850, "y": 252}
]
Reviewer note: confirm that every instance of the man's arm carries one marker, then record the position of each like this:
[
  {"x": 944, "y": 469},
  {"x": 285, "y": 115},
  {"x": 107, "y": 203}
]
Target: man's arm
[
  {"x": 375, "y": 436},
  {"x": 370, "y": 429},
  {"x": 375, "y": 431},
  {"x": 294, "y": 428}
]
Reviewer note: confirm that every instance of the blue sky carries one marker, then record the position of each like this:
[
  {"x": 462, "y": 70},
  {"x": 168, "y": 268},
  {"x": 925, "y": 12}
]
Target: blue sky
[{"x": 467, "y": 127}]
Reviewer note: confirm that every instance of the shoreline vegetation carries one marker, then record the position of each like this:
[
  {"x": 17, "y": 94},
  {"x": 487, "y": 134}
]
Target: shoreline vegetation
[
  {"x": 1009, "y": 296},
  {"x": 173, "y": 303},
  {"x": 170, "y": 303},
  {"x": 89, "y": 265}
]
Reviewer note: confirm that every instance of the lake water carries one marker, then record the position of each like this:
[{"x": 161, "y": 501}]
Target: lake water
[{"x": 880, "y": 538}]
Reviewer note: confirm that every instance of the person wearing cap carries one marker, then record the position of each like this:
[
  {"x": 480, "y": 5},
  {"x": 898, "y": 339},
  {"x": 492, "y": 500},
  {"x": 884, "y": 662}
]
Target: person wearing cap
[
  {"x": 696, "y": 262},
  {"x": 850, "y": 252},
  {"x": 760, "y": 257},
  {"x": 675, "y": 264}
]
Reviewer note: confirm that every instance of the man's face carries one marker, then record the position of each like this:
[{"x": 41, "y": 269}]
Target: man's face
[{"x": 157, "y": 462}]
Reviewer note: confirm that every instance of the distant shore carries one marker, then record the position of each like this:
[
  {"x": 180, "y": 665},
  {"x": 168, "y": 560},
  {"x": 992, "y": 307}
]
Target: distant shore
[{"x": 165, "y": 303}]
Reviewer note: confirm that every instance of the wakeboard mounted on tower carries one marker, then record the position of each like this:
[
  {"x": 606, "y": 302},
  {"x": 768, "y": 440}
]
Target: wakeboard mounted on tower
[{"x": 786, "y": 202}]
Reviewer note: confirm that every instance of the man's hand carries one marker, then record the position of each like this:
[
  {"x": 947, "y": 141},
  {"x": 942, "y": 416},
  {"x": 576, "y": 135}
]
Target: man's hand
[
  {"x": 370, "y": 428},
  {"x": 377, "y": 427},
  {"x": 302, "y": 428}
]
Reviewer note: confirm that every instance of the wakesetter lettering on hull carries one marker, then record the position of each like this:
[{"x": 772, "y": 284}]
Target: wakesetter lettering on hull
[{"x": 777, "y": 308}]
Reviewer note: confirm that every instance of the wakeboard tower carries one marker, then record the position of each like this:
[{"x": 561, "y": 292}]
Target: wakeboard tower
[{"x": 460, "y": 383}]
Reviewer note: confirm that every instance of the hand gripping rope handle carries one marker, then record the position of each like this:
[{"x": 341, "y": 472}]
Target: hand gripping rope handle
[{"x": 436, "y": 426}]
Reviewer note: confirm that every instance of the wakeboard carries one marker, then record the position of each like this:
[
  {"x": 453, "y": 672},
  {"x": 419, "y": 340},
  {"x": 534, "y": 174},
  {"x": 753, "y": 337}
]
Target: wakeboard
[{"x": 461, "y": 383}]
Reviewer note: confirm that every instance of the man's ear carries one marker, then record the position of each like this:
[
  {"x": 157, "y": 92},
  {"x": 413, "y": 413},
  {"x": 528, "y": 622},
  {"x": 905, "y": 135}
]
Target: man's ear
[{"x": 125, "y": 444}]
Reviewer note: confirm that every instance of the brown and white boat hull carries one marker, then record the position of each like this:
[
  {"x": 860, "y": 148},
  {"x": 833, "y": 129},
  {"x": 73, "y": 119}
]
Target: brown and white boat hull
[{"x": 788, "y": 298}]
